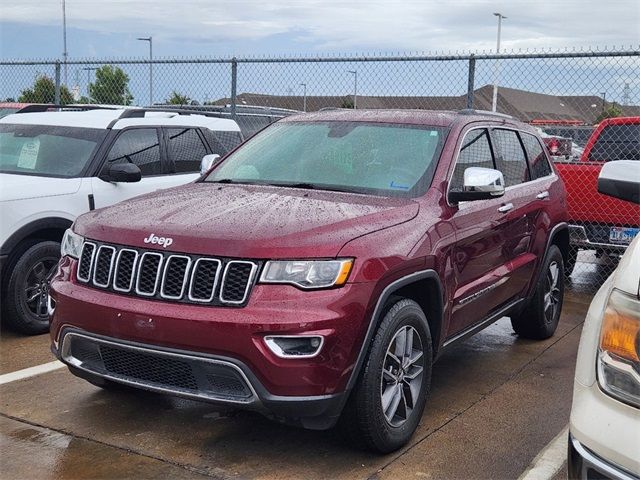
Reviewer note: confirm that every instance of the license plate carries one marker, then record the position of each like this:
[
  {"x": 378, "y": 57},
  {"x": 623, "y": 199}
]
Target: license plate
[{"x": 622, "y": 235}]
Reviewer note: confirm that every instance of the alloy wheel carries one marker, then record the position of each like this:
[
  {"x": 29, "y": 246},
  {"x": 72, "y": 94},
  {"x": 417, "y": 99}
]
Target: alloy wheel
[
  {"x": 552, "y": 292},
  {"x": 36, "y": 288},
  {"x": 401, "y": 378}
]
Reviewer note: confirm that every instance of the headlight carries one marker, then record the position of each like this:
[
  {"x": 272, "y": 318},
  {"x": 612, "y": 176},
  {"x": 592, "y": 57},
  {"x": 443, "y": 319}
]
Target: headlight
[
  {"x": 71, "y": 244},
  {"x": 619, "y": 352},
  {"x": 307, "y": 273}
]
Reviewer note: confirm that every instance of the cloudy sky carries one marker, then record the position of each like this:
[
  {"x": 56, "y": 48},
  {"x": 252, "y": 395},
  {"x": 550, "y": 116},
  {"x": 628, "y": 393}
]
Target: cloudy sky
[{"x": 108, "y": 28}]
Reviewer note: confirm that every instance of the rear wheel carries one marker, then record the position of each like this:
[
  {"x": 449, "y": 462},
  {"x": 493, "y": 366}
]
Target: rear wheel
[
  {"x": 539, "y": 319},
  {"x": 386, "y": 405},
  {"x": 28, "y": 288}
]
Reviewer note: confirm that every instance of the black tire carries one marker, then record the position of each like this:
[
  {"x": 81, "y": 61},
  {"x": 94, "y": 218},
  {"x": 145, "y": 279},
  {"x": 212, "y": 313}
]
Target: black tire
[
  {"x": 539, "y": 319},
  {"x": 570, "y": 261},
  {"x": 28, "y": 275},
  {"x": 364, "y": 420}
]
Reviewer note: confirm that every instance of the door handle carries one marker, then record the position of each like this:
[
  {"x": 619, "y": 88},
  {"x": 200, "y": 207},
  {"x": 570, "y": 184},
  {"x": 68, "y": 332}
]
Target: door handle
[
  {"x": 542, "y": 195},
  {"x": 505, "y": 208}
]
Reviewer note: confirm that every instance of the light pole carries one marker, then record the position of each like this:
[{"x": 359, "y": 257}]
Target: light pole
[
  {"x": 355, "y": 88},
  {"x": 494, "y": 103},
  {"x": 150, "y": 40},
  {"x": 604, "y": 100},
  {"x": 304, "y": 97},
  {"x": 64, "y": 39},
  {"x": 89, "y": 70}
]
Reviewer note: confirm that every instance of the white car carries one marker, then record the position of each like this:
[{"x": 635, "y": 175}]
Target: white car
[
  {"x": 55, "y": 166},
  {"x": 604, "y": 438}
]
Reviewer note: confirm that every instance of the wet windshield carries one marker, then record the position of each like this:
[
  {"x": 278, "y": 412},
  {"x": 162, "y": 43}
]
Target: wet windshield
[
  {"x": 376, "y": 158},
  {"x": 47, "y": 150}
]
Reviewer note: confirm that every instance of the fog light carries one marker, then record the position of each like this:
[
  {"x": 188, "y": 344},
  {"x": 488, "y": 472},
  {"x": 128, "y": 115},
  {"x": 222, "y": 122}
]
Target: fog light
[{"x": 295, "y": 346}]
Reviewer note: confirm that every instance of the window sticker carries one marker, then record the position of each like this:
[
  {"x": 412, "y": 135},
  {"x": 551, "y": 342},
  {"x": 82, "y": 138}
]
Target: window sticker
[{"x": 29, "y": 154}]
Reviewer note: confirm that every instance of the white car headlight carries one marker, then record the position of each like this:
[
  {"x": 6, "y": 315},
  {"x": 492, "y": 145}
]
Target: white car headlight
[
  {"x": 619, "y": 352},
  {"x": 307, "y": 273},
  {"x": 71, "y": 244}
]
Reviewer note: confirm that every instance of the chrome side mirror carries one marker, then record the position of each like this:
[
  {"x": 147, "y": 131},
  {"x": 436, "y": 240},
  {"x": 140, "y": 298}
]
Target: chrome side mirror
[
  {"x": 207, "y": 162},
  {"x": 479, "y": 184}
]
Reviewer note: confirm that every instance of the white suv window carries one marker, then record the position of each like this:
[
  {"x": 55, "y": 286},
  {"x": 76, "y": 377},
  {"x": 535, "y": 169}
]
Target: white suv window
[
  {"x": 185, "y": 149},
  {"x": 139, "y": 146}
]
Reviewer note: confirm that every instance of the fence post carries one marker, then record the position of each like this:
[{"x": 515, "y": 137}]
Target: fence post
[
  {"x": 471, "y": 80},
  {"x": 57, "y": 79},
  {"x": 234, "y": 85}
]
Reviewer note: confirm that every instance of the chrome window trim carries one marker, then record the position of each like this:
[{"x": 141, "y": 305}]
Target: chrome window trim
[
  {"x": 158, "y": 273},
  {"x": 93, "y": 255},
  {"x": 551, "y": 176},
  {"x": 167, "y": 263},
  {"x": 133, "y": 270},
  {"x": 254, "y": 267},
  {"x": 215, "y": 280},
  {"x": 97, "y": 257}
]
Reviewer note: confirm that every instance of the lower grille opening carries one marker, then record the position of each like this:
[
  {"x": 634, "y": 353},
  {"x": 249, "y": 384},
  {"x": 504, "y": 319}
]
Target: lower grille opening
[{"x": 148, "y": 367}]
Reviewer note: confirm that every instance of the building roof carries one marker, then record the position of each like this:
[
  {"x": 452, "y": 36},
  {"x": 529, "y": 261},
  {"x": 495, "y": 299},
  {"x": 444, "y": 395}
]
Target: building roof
[{"x": 522, "y": 104}]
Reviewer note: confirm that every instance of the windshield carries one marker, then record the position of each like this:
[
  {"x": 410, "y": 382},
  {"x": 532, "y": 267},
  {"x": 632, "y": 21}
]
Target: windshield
[
  {"x": 376, "y": 158},
  {"x": 47, "y": 150}
]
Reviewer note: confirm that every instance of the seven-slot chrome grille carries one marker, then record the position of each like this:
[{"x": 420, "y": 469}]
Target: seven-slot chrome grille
[{"x": 166, "y": 275}]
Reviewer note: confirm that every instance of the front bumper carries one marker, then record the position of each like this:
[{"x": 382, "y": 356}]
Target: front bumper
[
  {"x": 308, "y": 390},
  {"x": 196, "y": 376},
  {"x": 584, "y": 464}
]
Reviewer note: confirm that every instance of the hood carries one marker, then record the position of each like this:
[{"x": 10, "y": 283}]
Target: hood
[
  {"x": 247, "y": 221},
  {"x": 21, "y": 187},
  {"x": 627, "y": 275}
]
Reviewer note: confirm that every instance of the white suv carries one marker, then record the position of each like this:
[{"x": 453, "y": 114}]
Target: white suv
[
  {"x": 55, "y": 166},
  {"x": 604, "y": 440}
]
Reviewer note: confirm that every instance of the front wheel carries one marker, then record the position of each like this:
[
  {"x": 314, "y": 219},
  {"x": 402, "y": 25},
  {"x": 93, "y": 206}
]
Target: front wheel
[
  {"x": 539, "y": 319},
  {"x": 28, "y": 288},
  {"x": 386, "y": 405}
]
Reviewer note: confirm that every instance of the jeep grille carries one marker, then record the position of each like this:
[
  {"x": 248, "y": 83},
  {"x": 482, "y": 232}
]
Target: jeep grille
[{"x": 167, "y": 276}]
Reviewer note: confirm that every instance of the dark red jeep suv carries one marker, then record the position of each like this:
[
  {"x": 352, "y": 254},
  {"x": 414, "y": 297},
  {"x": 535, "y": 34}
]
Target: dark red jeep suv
[{"x": 317, "y": 272}]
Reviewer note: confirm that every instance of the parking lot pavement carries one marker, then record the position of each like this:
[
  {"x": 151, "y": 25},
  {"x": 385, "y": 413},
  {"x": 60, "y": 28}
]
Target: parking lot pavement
[
  {"x": 20, "y": 352},
  {"x": 496, "y": 401}
]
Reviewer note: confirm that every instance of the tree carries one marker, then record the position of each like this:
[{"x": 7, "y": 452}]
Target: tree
[
  {"x": 44, "y": 91},
  {"x": 178, "y": 99},
  {"x": 111, "y": 86},
  {"x": 347, "y": 103},
  {"x": 610, "y": 111}
]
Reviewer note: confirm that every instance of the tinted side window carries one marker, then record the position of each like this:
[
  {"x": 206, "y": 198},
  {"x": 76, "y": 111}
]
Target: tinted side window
[
  {"x": 512, "y": 161},
  {"x": 139, "y": 146},
  {"x": 617, "y": 142},
  {"x": 537, "y": 159},
  {"x": 474, "y": 152},
  {"x": 185, "y": 149},
  {"x": 222, "y": 142}
]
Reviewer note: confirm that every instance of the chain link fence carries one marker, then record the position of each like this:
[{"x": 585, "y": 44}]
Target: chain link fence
[{"x": 565, "y": 94}]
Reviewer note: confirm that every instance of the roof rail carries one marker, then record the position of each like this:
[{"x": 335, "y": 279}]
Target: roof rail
[
  {"x": 139, "y": 112},
  {"x": 45, "y": 107},
  {"x": 471, "y": 111}
]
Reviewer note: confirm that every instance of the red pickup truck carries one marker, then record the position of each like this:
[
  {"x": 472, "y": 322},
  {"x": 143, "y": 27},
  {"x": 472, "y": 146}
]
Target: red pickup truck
[{"x": 599, "y": 222}]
